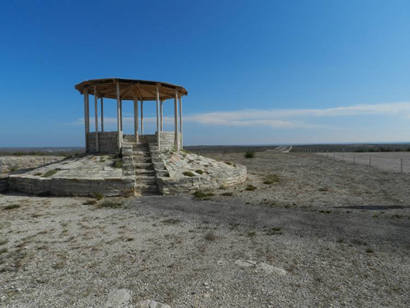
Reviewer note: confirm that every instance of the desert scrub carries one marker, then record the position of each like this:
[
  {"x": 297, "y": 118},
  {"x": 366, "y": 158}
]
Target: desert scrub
[
  {"x": 199, "y": 171},
  {"x": 98, "y": 196},
  {"x": 117, "y": 163},
  {"x": 271, "y": 179},
  {"x": 11, "y": 207},
  {"x": 50, "y": 173},
  {"x": 170, "y": 221},
  {"x": 200, "y": 195},
  {"x": 210, "y": 236},
  {"x": 274, "y": 231},
  {"x": 250, "y": 187},
  {"x": 90, "y": 202},
  {"x": 110, "y": 204},
  {"x": 249, "y": 154},
  {"x": 188, "y": 173},
  {"x": 229, "y": 163},
  {"x": 227, "y": 194}
]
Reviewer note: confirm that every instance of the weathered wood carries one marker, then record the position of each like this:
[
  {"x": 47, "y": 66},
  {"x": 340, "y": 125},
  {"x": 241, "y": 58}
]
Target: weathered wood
[
  {"x": 102, "y": 114},
  {"x": 161, "y": 112},
  {"x": 121, "y": 115},
  {"x": 86, "y": 118},
  {"x": 142, "y": 118},
  {"x": 158, "y": 128},
  {"x": 176, "y": 139},
  {"x": 96, "y": 118},
  {"x": 118, "y": 115},
  {"x": 136, "y": 120},
  {"x": 107, "y": 88},
  {"x": 180, "y": 122}
]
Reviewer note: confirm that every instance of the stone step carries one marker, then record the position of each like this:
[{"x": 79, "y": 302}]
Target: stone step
[
  {"x": 144, "y": 171},
  {"x": 146, "y": 188},
  {"x": 142, "y": 165},
  {"x": 140, "y": 152},
  {"x": 145, "y": 179}
]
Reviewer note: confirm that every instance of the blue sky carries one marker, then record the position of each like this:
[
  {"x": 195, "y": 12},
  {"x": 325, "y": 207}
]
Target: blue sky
[{"x": 257, "y": 72}]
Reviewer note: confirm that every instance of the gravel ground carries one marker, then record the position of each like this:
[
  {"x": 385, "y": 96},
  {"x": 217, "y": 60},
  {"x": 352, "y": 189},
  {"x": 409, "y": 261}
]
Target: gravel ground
[{"x": 304, "y": 246}]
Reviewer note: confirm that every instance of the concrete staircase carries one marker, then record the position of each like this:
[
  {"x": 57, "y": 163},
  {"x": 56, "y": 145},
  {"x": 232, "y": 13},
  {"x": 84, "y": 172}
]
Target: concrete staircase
[{"x": 137, "y": 161}]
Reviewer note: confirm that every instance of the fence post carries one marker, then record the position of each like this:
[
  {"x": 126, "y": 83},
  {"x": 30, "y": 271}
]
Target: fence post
[{"x": 401, "y": 165}]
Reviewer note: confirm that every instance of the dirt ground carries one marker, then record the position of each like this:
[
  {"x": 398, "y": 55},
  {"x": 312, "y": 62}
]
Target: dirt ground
[
  {"x": 388, "y": 161},
  {"x": 320, "y": 233}
]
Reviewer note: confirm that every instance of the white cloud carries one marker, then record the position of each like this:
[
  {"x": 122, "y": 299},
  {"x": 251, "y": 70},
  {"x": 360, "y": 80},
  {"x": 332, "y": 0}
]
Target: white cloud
[{"x": 276, "y": 118}]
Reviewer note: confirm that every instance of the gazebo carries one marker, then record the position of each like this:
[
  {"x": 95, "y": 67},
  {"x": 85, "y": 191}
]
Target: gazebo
[{"x": 138, "y": 91}]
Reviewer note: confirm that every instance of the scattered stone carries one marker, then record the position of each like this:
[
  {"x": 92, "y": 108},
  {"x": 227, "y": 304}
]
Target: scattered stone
[
  {"x": 248, "y": 263},
  {"x": 264, "y": 267},
  {"x": 151, "y": 304},
  {"x": 270, "y": 269},
  {"x": 119, "y": 298}
]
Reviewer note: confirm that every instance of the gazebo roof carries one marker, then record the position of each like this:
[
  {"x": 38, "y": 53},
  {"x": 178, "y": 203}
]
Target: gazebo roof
[{"x": 131, "y": 88}]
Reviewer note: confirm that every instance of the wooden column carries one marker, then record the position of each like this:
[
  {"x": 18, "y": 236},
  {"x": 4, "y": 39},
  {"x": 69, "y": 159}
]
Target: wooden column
[
  {"x": 136, "y": 120},
  {"x": 96, "y": 119},
  {"x": 102, "y": 114},
  {"x": 180, "y": 122},
  {"x": 118, "y": 115},
  {"x": 86, "y": 118},
  {"x": 121, "y": 114},
  {"x": 161, "y": 112},
  {"x": 176, "y": 137},
  {"x": 142, "y": 117},
  {"x": 158, "y": 131}
]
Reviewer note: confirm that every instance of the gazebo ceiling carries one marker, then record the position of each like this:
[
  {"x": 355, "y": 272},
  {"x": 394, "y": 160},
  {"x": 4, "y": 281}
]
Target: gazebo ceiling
[{"x": 131, "y": 89}]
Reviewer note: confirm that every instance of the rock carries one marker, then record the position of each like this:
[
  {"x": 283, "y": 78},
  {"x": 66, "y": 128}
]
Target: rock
[
  {"x": 270, "y": 269},
  {"x": 119, "y": 298},
  {"x": 151, "y": 304},
  {"x": 248, "y": 263}
]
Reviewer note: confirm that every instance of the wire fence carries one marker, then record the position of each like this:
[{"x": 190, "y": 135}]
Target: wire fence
[{"x": 393, "y": 164}]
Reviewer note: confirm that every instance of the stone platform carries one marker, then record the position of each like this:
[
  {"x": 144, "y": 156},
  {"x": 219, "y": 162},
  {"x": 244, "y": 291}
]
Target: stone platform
[
  {"x": 141, "y": 170},
  {"x": 82, "y": 176}
]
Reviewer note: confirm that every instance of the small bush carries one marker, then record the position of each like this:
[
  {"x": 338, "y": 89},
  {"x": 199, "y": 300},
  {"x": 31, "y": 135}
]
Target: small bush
[
  {"x": 271, "y": 179},
  {"x": 171, "y": 221},
  {"x": 188, "y": 173},
  {"x": 250, "y": 187},
  {"x": 249, "y": 154},
  {"x": 199, "y": 171},
  {"x": 90, "y": 202},
  {"x": 229, "y": 163},
  {"x": 50, "y": 173},
  {"x": 202, "y": 195},
  {"x": 117, "y": 164},
  {"x": 110, "y": 204},
  {"x": 274, "y": 231},
  {"x": 210, "y": 236},
  {"x": 11, "y": 207},
  {"x": 227, "y": 194},
  {"x": 98, "y": 196}
]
